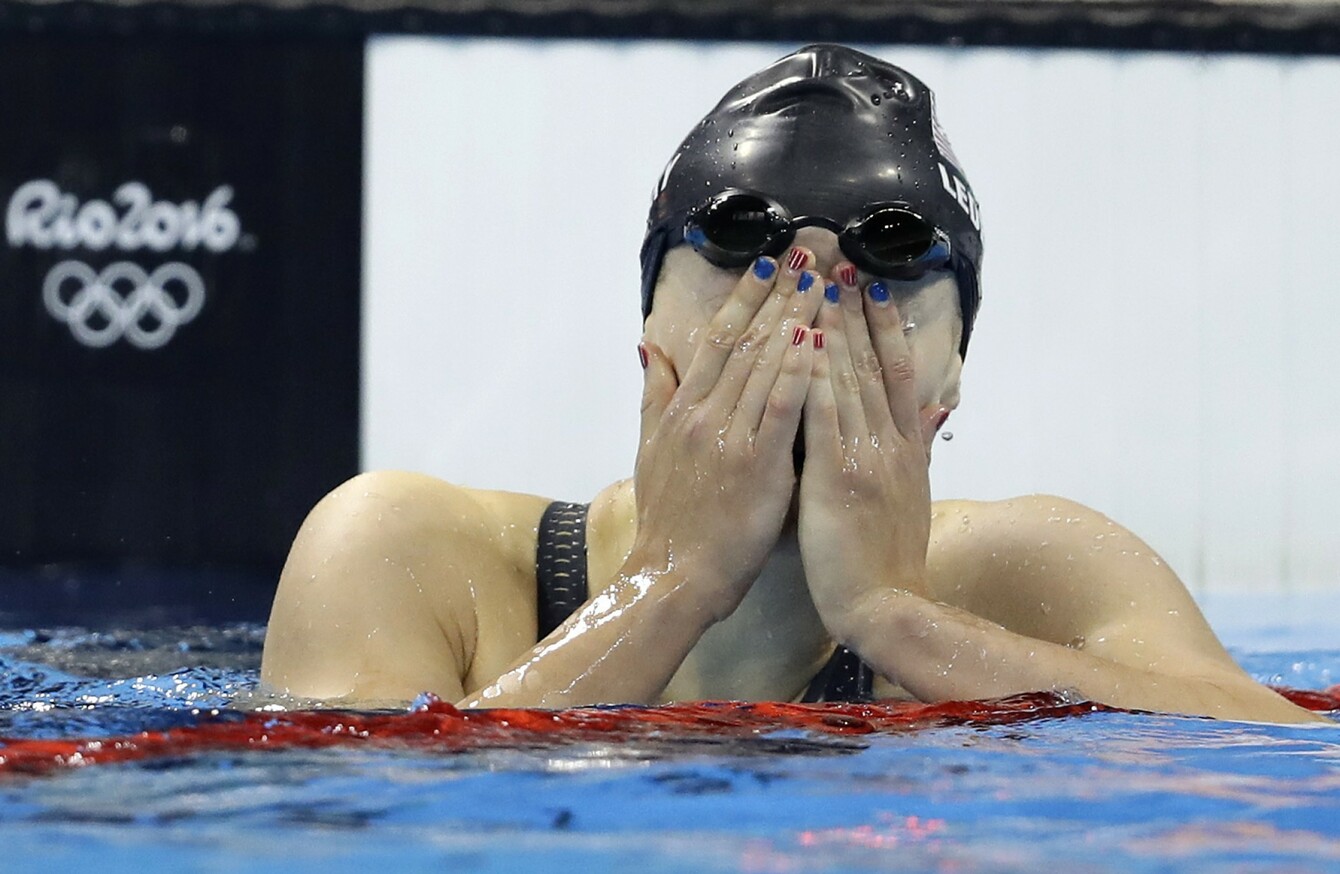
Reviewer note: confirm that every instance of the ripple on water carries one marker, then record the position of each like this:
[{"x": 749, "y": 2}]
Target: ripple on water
[{"x": 1107, "y": 790}]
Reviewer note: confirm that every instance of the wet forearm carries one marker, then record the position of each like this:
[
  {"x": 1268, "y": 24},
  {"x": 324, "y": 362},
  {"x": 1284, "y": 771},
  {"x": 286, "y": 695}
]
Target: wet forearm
[
  {"x": 623, "y": 646},
  {"x": 939, "y": 653}
]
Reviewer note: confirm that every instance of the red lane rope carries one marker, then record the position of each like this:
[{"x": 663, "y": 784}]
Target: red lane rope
[{"x": 440, "y": 726}]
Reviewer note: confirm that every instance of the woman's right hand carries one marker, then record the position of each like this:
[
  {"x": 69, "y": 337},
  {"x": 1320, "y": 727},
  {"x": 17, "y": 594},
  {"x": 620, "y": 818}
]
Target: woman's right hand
[{"x": 714, "y": 475}]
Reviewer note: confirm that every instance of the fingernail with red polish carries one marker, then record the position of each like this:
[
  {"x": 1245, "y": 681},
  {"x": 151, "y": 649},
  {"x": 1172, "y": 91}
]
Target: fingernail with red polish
[
  {"x": 818, "y": 336},
  {"x": 847, "y": 273},
  {"x": 798, "y": 335},
  {"x": 795, "y": 259},
  {"x": 941, "y": 419},
  {"x": 642, "y": 355}
]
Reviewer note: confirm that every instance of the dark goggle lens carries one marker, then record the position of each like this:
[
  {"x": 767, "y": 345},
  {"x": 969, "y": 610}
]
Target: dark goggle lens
[
  {"x": 740, "y": 224},
  {"x": 897, "y": 237}
]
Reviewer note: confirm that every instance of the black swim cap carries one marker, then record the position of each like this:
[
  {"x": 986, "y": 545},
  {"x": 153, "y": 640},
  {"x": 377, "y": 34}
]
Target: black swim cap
[{"x": 826, "y": 131}]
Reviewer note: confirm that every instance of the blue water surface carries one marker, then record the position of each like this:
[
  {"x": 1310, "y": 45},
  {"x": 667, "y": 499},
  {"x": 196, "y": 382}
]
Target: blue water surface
[{"x": 1106, "y": 791}]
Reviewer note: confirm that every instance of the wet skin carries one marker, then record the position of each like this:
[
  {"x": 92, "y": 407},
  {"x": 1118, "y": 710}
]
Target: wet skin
[{"x": 716, "y": 572}]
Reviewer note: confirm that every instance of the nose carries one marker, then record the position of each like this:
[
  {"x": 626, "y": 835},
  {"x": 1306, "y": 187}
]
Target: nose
[{"x": 824, "y": 244}]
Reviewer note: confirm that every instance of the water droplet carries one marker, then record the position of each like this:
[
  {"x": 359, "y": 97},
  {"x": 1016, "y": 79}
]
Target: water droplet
[
  {"x": 946, "y": 435},
  {"x": 874, "y": 98},
  {"x": 731, "y": 132},
  {"x": 1045, "y": 607}
]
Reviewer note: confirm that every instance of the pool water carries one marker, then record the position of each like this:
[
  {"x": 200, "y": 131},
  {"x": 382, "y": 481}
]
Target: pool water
[{"x": 1101, "y": 791}]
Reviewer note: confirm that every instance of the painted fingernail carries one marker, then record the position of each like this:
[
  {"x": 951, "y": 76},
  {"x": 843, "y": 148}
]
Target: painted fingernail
[
  {"x": 941, "y": 419},
  {"x": 764, "y": 268},
  {"x": 847, "y": 273},
  {"x": 831, "y": 292},
  {"x": 806, "y": 280},
  {"x": 879, "y": 292},
  {"x": 818, "y": 336},
  {"x": 798, "y": 335},
  {"x": 795, "y": 259},
  {"x": 642, "y": 355}
]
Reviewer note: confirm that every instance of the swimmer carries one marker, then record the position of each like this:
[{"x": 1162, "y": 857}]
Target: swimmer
[{"x": 810, "y": 283}]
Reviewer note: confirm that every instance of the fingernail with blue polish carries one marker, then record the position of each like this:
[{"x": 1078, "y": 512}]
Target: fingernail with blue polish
[
  {"x": 879, "y": 292},
  {"x": 831, "y": 292},
  {"x": 764, "y": 268},
  {"x": 806, "y": 280}
]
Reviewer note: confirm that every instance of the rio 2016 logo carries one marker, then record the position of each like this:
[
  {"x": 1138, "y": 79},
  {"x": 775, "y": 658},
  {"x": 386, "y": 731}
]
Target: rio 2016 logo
[{"x": 122, "y": 300}]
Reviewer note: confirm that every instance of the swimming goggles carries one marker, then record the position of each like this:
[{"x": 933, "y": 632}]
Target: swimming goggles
[{"x": 890, "y": 240}]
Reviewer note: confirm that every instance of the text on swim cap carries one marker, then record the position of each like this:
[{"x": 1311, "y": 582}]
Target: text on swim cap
[{"x": 962, "y": 194}]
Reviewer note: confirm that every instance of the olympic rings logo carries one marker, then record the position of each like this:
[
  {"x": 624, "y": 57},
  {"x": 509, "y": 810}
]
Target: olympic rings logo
[{"x": 123, "y": 301}]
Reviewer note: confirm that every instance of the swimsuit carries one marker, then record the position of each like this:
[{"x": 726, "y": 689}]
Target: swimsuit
[{"x": 560, "y": 580}]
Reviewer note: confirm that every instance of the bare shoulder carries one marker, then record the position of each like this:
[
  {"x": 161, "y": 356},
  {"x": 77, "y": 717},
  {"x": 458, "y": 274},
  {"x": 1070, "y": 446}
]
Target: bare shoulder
[
  {"x": 399, "y": 583},
  {"x": 400, "y": 503},
  {"x": 1054, "y": 569},
  {"x": 1029, "y": 533},
  {"x": 1027, "y": 521}
]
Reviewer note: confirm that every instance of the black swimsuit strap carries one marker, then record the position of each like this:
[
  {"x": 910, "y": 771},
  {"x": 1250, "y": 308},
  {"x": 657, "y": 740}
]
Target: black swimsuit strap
[
  {"x": 844, "y": 678},
  {"x": 560, "y": 563}
]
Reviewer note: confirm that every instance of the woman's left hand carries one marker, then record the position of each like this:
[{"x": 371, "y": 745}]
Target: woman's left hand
[{"x": 864, "y": 491}]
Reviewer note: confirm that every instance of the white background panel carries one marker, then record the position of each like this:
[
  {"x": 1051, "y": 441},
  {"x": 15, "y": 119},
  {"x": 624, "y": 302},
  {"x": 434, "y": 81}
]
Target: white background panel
[
  {"x": 1157, "y": 336},
  {"x": 1308, "y": 292}
]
